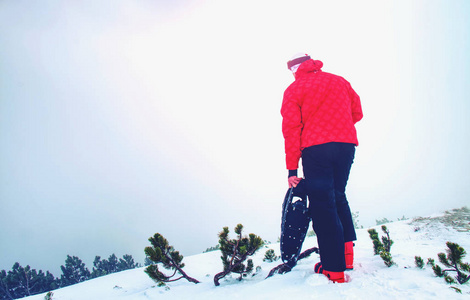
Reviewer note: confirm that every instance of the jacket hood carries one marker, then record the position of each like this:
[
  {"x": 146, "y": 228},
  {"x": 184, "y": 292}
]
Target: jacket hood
[{"x": 309, "y": 66}]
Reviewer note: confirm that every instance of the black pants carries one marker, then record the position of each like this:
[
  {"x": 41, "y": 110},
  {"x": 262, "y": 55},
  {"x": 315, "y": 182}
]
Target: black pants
[{"x": 326, "y": 169}]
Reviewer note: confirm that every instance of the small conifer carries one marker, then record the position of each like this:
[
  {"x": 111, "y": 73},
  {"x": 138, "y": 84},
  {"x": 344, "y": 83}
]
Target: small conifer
[
  {"x": 162, "y": 252},
  {"x": 453, "y": 261},
  {"x": 382, "y": 248},
  {"x": 74, "y": 271},
  {"x": 270, "y": 256},
  {"x": 49, "y": 296},
  {"x": 236, "y": 251},
  {"x": 419, "y": 262}
]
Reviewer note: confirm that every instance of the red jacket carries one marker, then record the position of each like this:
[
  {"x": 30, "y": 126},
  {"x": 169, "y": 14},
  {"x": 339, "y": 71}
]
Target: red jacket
[{"x": 317, "y": 108}]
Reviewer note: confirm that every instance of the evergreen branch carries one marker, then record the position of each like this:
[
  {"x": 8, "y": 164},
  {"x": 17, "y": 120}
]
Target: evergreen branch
[
  {"x": 174, "y": 273},
  {"x": 450, "y": 270},
  {"x": 180, "y": 270},
  {"x": 234, "y": 252},
  {"x": 171, "y": 280}
]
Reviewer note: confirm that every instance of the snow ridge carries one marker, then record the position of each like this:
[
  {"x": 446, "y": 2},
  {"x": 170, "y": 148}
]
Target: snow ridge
[{"x": 424, "y": 237}]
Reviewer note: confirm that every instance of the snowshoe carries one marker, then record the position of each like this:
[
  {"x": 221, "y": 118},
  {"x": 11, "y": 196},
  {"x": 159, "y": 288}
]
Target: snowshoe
[{"x": 294, "y": 225}]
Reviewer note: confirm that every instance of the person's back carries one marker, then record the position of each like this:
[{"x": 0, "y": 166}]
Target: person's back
[{"x": 330, "y": 108}]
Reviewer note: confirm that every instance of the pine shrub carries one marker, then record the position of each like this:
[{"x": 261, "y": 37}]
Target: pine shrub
[
  {"x": 210, "y": 249},
  {"x": 236, "y": 251},
  {"x": 74, "y": 271},
  {"x": 382, "y": 248},
  {"x": 161, "y": 252},
  {"x": 112, "y": 265},
  {"x": 270, "y": 256},
  {"x": 452, "y": 259},
  {"x": 419, "y": 262}
]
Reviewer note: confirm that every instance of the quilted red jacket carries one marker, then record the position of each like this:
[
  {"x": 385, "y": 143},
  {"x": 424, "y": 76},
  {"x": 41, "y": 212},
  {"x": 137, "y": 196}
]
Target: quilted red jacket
[{"x": 317, "y": 108}]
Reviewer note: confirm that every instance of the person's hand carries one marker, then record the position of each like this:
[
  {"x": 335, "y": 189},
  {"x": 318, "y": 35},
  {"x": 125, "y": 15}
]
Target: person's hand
[{"x": 293, "y": 181}]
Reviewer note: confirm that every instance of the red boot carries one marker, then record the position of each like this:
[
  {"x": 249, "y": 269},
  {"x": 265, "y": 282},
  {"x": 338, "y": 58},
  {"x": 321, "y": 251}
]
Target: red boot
[
  {"x": 333, "y": 276},
  {"x": 349, "y": 255}
]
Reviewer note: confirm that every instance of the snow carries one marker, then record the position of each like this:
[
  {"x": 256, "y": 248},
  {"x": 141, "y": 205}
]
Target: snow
[{"x": 370, "y": 277}]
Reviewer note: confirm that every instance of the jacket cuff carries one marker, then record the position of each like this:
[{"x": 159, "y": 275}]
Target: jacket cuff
[{"x": 292, "y": 173}]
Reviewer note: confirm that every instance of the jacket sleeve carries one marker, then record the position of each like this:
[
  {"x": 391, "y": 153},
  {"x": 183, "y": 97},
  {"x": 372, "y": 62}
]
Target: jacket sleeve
[
  {"x": 291, "y": 129},
  {"x": 356, "y": 108}
]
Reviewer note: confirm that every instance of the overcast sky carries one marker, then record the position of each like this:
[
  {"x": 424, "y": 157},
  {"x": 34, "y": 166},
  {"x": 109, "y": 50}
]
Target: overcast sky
[{"x": 120, "y": 119}]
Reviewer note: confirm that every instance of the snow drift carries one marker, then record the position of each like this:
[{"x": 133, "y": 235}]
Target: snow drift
[{"x": 370, "y": 278}]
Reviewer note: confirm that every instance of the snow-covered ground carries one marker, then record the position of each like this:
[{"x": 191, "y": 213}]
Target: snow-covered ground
[{"x": 370, "y": 279}]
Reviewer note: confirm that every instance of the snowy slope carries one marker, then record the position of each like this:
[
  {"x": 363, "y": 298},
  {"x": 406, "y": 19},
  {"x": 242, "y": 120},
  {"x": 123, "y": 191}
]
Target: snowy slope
[{"x": 370, "y": 278}]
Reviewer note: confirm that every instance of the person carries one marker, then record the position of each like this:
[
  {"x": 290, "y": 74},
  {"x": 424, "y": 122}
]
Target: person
[{"x": 319, "y": 112}]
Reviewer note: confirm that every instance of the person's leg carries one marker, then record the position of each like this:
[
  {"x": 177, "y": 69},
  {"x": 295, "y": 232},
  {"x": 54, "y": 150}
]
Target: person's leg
[
  {"x": 319, "y": 176},
  {"x": 343, "y": 161}
]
